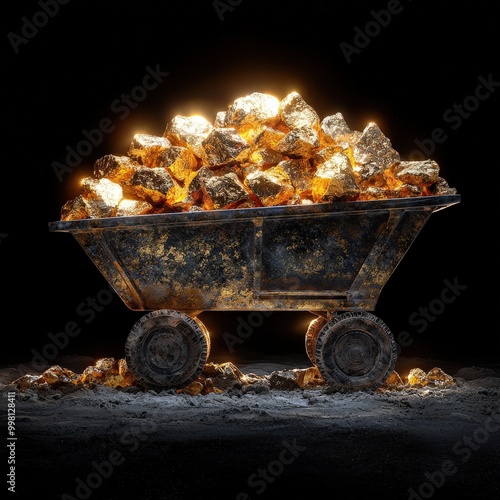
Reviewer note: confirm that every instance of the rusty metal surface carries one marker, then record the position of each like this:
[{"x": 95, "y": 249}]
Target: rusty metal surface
[{"x": 321, "y": 257}]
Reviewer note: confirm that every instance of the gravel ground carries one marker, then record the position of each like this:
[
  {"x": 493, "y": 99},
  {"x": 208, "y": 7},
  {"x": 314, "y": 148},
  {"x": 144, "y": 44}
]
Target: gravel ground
[{"x": 105, "y": 443}]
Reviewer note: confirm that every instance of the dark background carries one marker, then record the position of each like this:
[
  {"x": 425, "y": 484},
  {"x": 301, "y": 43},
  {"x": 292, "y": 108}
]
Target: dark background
[{"x": 65, "y": 75}]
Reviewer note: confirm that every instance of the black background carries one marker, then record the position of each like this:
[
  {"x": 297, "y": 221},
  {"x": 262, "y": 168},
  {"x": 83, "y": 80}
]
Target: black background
[{"x": 63, "y": 78}]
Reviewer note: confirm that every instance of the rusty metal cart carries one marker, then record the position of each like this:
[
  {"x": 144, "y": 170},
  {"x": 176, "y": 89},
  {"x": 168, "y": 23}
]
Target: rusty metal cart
[{"x": 331, "y": 259}]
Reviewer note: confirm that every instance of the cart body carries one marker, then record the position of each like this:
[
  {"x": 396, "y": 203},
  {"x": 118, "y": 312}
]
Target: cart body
[{"x": 315, "y": 257}]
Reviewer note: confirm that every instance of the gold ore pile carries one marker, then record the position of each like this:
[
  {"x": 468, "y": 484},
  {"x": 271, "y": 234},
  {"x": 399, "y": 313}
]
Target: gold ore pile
[{"x": 260, "y": 151}]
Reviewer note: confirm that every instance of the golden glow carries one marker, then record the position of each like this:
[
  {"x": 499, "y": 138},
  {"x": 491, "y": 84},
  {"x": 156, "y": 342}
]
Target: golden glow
[
  {"x": 197, "y": 118},
  {"x": 311, "y": 322},
  {"x": 377, "y": 120},
  {"x": 196, "y": 109}
]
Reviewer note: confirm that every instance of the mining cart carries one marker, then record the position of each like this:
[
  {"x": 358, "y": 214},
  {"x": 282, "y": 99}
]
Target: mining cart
[{"x": 331, "y": 259}]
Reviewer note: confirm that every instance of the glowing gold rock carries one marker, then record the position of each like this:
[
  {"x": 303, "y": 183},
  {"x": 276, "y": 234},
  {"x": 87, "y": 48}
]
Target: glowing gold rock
[
  {"x": 283, "y": 380},
  {"x": 253, "y": 111},
  {"x": 438, "y": 377},
  {"x": 189, "y": 132},
  {"x": 417, "y": 377},
  {"x": 56, "y": 376},
  {"x": 180, "y": 200},
  {"x": 301, "y": 174},
  {"x": 118, "y": 169},
  {"x": 441, "y": 187},
  {"x": 268, "y": 138},
  {"x": 109, "y": 366},
  {"x": 209, "y": 387},
  {"x": 405, "y": 191},
  {"x": 75, "y": 209},
  {"x": 271, "y": 187},
  {"x": 325, "y": 154},
  {"x": 125, "y": 373},
  {"x": 91, "y": 375},
  {"x": 297, "y": 199},
  {"x": 102, "y": 196},
  {"x": 374, "y": 193},
  {"x": 28, "y": 381},
  {"x": 128, "y": 207},
  {"x": 220, "y": 118},
  {"x": 109, "y": 372},
  {"x": 223, "y": 190},
  {"x": 227, "y": 369},
  {"x": 154, "y": 185},
  {"x": 264, "y": 158},
  {"x": 296, "y": 113},
  {"x": 311, "y": 377},
  {"x": 223, "y": 146},
  {"x": 373, "y": 153},
  {"x": 334, "y": 181},
  {"x": 393, "y": 381},
  {"x": 180, "y": 161},
  {"x": 218, "y": 377},
  {"x": 145, "y": 148},
  {"x": 415, "y": 173},
  {"x": 379, "y": 193},
  {"x": 194, "y": 183},
  {"x": 335, "y": 131},
  {"x": 300, "y": 142}
]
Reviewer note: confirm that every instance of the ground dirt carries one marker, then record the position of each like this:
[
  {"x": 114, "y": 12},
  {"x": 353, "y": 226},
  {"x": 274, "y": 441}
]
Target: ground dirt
[{"x": 105, "y": 443}]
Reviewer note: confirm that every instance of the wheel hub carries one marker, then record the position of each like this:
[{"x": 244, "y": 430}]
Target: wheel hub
[
  {"x": 165, "y": 350},
  {"x": 355, "y": 353}
]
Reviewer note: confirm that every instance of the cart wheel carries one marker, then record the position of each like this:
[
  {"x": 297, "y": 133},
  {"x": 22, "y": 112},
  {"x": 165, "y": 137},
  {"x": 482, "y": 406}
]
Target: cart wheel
[
  {"x": 355, "y": 351},
  {"x": 206, "y": 334},
  {"x": 312, "y": 336},
  {"x": 167, "y": 349}
]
